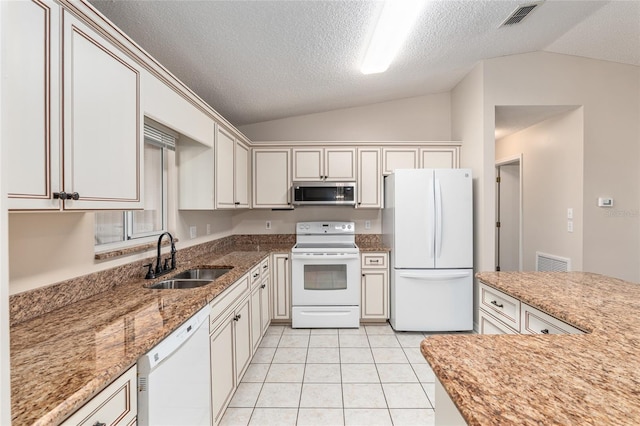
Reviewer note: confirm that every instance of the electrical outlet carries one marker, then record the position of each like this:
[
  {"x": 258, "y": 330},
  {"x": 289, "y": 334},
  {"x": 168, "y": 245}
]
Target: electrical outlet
[
  {"x": 268, "y": 224},
  {"x": 193, "y": 232},
  {"x": 208, "y": 229},
  {"x": 367, "y": 224}
]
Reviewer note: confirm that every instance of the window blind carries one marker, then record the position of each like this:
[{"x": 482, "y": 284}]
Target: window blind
[{"x": 159, "y": 138}]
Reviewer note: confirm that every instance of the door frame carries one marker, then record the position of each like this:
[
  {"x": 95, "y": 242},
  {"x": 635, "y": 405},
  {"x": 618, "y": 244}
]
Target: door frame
[{"x": 511, "y": 160}]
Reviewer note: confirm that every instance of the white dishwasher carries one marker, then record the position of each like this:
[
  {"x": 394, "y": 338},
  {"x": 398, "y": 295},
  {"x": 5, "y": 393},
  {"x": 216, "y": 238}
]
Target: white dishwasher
[{"x": 174, "y": 377}]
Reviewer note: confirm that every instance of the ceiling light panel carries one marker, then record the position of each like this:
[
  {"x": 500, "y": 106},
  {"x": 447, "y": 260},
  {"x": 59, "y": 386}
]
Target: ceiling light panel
[{"x": 393, "y": 26}]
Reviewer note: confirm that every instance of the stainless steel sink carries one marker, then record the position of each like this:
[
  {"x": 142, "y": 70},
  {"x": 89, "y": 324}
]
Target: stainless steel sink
[
  {"x": 179, "y": 284},
  {"x": 201, "y": 274},
  {"x": 191, "y": 278}
]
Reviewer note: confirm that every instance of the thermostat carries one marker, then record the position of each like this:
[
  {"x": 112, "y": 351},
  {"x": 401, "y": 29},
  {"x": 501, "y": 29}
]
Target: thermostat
[{"x": 605, "y": 202}]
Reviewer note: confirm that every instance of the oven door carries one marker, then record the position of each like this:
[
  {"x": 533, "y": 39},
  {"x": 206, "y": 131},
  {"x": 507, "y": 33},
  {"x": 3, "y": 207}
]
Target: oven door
[{"x": 325, "y": 279}]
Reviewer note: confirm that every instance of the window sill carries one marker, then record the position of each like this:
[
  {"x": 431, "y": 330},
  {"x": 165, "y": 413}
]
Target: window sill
[{"x": 124, "y": 251}]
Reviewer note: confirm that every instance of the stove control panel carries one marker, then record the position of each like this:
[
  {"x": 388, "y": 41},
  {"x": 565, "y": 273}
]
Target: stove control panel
[{"x": 325, "y": 228}]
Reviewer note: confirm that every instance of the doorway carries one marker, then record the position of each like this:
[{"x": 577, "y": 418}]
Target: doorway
[{"x": 509, "y": 246}]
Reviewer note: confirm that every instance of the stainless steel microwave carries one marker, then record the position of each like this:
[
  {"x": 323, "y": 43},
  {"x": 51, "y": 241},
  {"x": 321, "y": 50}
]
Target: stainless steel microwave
[{"x": 324, "y": 193}]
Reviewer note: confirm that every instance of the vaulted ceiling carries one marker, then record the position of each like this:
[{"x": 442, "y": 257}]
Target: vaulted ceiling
[{"x": 255, "y": 61}]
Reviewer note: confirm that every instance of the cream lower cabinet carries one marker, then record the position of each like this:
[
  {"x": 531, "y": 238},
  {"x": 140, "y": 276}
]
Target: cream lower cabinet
[
  {"x": 271, "y": 178},
  {"x": 117, "y": 404},
  {"x": 374, "y": 289},
  {"x": 230, "y": 343},
  {"x": 68, "y": 80},
  {"x": 501, "y": 313},
  {"x": 260, "y": 306},
  {"x": 281, "y": 286}
]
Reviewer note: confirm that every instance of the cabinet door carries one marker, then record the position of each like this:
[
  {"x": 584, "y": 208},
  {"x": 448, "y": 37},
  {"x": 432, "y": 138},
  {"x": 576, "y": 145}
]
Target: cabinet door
[
  {"x": 487, "y": 324},
  {"x": 340, "y": 164},
  {"x": 222, "y": 367},
  {"x": 307, "y": 164},
  {"x": 399, "y": 158},
  {"x": 256, "y": 317},
  {"x": 225, "y": 165},
  {"x": 271, "y": 178},
  {"x": 375, "y": 294},
  {"x": 281, "y": 287},
  {"x": 30, "y": 102},
  {"x": 439, "y": 158},
  {"x": 242, "y": 335},
  {"x": 241, "y": 176},
  {"x": 265, "y": 306},
  {"x": 369, "y": 178},
  {"x": 102, "y": 122}
]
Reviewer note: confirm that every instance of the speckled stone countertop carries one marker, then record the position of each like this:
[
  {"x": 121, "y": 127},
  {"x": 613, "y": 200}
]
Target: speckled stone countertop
[
  {"x": 61, "y": 359},
  {"x": 589, "y": 379}
]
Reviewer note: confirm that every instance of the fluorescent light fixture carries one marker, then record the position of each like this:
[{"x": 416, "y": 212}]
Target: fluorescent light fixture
[{"x": 395, "y": 22}]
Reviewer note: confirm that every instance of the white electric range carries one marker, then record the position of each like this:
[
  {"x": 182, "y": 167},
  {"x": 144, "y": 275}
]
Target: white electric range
[{"x": 325, "y": 276}]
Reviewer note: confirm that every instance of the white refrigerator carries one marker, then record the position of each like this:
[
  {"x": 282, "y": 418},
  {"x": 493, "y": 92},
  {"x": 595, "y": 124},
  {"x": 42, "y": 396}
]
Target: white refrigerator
[{"x": 427, "y": 221}]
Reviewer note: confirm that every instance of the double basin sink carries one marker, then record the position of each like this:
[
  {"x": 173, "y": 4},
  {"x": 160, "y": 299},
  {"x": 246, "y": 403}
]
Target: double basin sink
[{"x": 191, "y": 278}]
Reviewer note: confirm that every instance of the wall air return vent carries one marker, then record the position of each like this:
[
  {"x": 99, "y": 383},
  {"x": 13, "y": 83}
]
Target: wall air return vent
[
  {"x": 519, "y": 14},
  {"x": 550, "y": 263}
]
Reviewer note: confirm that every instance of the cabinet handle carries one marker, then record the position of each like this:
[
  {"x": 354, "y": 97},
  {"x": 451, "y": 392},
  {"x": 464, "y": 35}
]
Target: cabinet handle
[
  {"x": 99, "y": 423},
  {"x": 499, "y": 305},
  {"x": 265, "y": 266},
  {"x": 545, "y": 331},
  {"x": 263, "y": 286},
  {"x": 374, "y": 260},
  {"x": 236, "y": 318},
  {"x": 237, "y": 203},
  {"x": 256, "y": 275},
  {"x": 66, "y": 196}
]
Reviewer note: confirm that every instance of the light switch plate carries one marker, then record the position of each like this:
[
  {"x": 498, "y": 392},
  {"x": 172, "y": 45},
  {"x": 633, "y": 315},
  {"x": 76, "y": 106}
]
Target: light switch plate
[
  {"x": 569, "y": 213},
  {"x": 193, "y": 232}
]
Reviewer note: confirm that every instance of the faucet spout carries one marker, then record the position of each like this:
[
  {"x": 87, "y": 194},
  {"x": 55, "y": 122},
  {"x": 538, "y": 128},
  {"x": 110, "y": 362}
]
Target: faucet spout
[{"x": 173, "y": 252}]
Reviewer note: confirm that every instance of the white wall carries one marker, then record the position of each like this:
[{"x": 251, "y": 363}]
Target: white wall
[
  {"x": 610, "y": 95},
  {"x": 422, "y": 118},
  {"x": 552, "y": 177}
]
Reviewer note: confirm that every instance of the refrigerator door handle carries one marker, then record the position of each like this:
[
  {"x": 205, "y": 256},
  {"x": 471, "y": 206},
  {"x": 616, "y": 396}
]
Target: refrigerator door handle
[
  {"x": 435, "y": 276},
  {"x": 432, "y": 222},
  {"x": 438, "y": 224}
]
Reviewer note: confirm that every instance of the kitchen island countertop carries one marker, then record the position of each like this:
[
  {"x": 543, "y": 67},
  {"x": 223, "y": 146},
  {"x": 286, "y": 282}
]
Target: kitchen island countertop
[{"x": 591, "y": 378}]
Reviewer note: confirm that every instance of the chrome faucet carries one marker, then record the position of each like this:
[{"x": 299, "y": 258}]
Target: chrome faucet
[{"x": 162, "y": 269}]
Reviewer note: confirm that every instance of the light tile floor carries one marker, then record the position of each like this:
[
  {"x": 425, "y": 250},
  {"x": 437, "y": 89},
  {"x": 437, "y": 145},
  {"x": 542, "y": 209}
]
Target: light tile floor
[{"x": 367, "y": 376}]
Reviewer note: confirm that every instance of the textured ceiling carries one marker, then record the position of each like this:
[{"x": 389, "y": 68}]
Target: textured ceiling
[{"x": 260, "y": 60}]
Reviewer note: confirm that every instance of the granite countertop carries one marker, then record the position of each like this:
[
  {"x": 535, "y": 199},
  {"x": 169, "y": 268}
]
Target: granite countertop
[
  {"x": 61, "y": 359},
  {"x": 593, "y": 378}
]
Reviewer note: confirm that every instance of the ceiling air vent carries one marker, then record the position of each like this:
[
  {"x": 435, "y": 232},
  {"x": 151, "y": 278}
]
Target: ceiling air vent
[{"x": 519, "y": 14}]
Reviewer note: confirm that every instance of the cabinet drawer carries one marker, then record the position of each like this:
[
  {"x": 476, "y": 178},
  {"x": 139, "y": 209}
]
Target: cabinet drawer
[
  {"x": 227, "y": 299},
  {"x": 538, "y": 322},
  {"x": 264, "y": 268},
  {"x": 255, "y": 275},
  {"x": 115, "y": 405},
  {"x": 500, "y": 305},
  {"x": 374, "y": 260},
  {"x": 487, "y": 324}
]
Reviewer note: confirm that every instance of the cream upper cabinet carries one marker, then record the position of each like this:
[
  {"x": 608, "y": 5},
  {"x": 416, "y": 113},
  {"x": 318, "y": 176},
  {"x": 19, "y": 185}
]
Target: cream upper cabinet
[
  {"x": 31, "y": 102},
  {"x": 241, "y": 181},
  {"x": 369, "y": 189},
  {"x": 399, "y": 158},
  {"x": 271, "y": 177},
  {"x": 315, "y": 164},
  {"x": 102, "y": 122},
  {"x": 439, "y": 157},
  {"x": 232, "y": 171}
]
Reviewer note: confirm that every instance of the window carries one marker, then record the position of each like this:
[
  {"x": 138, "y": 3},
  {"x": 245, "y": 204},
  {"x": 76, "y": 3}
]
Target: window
[{"x": 114, "y": 229}]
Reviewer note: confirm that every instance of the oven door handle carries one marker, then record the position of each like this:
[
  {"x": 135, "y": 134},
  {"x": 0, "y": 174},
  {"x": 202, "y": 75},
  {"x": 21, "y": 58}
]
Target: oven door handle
[{"x": 324, "y": 256}]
